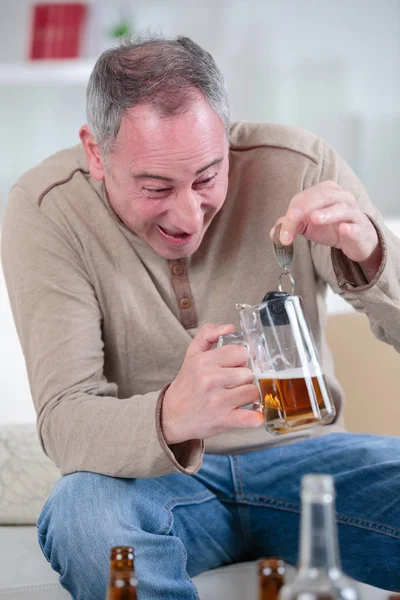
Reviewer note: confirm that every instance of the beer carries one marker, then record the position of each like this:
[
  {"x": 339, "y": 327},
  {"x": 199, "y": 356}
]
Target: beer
[
  {"x": 271, "y": 577},
  {"x": 293, "y": 401},
  {"x": 122, "y": 581}
]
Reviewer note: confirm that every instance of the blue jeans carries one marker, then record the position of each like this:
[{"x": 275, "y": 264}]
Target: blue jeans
[{"x": 237, "y": 507}]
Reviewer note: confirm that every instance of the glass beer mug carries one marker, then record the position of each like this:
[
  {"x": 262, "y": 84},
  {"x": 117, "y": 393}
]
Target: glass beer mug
[{"x": 283, "y": 357}]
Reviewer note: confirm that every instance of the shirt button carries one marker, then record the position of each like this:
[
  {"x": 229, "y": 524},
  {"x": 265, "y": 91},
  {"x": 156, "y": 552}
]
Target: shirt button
[
  {"x": 185, "y": 302},
  {"x": 177, "y": 269}
]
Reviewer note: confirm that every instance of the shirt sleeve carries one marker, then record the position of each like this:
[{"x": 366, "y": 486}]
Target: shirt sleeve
[
  {"x": 83, "y": 424},
  {"x": 379, "y": 298}
]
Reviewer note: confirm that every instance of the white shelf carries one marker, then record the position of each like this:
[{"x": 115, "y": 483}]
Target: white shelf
[{"x": 46, "y": 72}]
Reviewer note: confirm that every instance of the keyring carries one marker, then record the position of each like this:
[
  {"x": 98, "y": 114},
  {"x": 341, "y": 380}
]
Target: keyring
[{"x": 286, "y": 274}]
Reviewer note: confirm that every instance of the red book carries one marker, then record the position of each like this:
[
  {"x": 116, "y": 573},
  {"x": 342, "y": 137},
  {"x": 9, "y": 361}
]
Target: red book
[
  {"x": 57, "y": 30},
  {"x": 38, "y": 31}
]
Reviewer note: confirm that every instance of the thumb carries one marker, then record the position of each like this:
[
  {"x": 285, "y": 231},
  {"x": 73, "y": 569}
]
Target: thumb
[{"x": 207, "y": 336}]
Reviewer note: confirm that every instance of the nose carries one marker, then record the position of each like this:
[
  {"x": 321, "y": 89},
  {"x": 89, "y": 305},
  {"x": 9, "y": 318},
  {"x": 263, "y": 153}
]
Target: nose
[{"x": 186, "y": 213}]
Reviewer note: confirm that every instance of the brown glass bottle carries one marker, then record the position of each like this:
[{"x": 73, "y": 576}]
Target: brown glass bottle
[
  {"x": 122, "y": 582},
  {"x": 271, "y": 577}
]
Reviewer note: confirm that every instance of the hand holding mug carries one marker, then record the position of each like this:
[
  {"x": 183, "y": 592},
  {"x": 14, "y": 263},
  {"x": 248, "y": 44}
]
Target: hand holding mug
[{"x": 213, "y": 383}]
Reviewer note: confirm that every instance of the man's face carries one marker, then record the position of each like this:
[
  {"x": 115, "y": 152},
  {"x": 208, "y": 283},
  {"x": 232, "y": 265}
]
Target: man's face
[{"x": 169, "y": 176}]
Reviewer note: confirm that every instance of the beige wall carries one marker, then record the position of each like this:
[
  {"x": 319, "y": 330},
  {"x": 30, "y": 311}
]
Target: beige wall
[{"x": 369, "y": 372}]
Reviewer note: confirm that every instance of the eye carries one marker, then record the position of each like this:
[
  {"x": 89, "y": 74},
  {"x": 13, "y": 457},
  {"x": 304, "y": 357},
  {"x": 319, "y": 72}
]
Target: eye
[
  {"x": 205, "y": 182},
  {"x": 156, "y": 192}
]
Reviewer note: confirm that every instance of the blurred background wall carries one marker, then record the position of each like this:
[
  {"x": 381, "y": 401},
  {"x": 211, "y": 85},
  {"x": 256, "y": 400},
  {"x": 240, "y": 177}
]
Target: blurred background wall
[{"x": 331, "y": 67}]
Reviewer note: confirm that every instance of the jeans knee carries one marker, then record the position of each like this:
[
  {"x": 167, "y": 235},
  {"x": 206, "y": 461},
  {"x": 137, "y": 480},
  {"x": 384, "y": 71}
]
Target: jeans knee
[
  {"x": 87, "y": 514},
  {"x": 84, "y": 517},
  {"x": 95, "y": 511},
  {"x": 69, "y": 518}
]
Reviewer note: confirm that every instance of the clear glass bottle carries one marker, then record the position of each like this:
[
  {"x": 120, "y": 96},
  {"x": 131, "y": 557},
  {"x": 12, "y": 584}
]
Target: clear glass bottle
[
  {"x": 271, "y": 577},
  {"x": 122, "y": 582},
  {"x": 319, "y": 575}
]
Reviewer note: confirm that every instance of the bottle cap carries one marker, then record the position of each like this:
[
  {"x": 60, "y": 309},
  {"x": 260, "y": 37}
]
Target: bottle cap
[
  {"x": 122, "y": 557},
  {"x": 271, "y": 566},
  {"x": 122, "y": 552}
]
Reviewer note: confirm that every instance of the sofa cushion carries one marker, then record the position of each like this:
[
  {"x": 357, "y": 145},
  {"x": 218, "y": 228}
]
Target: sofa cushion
[
  {"x": 27, "y": 475},
  {"x": 24, "y": 571}
]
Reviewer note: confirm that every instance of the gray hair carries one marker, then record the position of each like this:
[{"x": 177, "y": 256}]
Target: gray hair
[{"x": 151, "y": 70}]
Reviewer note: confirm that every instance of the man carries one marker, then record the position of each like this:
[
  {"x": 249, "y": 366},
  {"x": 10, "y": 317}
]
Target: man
[{"x": 124, "y": 258}]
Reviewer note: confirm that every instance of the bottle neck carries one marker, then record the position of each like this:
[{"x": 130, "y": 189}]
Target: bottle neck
[
  {"x": 318, "y": 540},
  {"x": 121, "y": 564},
  {"x": 122, "y": 575},
  {"x": 122, "y": 585},
  {"x": 271, "y": 578},
  {"x": 269, "y": 587}
]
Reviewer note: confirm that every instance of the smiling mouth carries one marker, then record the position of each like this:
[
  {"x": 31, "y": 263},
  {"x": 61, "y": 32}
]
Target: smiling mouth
[{"x": 174, "y": 234}]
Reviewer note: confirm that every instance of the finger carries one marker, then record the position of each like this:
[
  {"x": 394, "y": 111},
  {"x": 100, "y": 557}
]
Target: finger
[
  {"x": 358, "y": 241},
  {"x": 272, "y": 230},
  {"x": 232, "y": 355},
  {"x": 352, "y": 231},
  {"x": 305, "y": 203},
  {"x": 244, "y": 394},
  {"x": 245, "y": 418},
  {"x": 232, "y": 378},
  {"x": 342, "y": 196},
  {"x": 335, "y": 213},
  {"x": 326, "y": 192},
  {"x": 352, "y": 240},
  {"x": 207, "y": 336}
]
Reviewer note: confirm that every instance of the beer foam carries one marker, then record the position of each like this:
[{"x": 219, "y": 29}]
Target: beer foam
[{"x": 297, "y": 373}]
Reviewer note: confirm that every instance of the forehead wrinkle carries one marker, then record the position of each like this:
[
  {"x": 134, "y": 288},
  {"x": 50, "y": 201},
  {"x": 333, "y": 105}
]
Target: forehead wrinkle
[{"x": 152, "y": 169}]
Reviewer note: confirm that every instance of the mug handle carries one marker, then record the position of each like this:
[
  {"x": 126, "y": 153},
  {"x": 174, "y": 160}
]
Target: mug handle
[
  {"x": 238, "y": 338},
  {"x": 231, "y": 338}
]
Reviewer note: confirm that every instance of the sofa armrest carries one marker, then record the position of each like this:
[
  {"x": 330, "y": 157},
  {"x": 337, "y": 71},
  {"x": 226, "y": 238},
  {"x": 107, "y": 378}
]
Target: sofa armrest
[{"x": 27, "y": 475}]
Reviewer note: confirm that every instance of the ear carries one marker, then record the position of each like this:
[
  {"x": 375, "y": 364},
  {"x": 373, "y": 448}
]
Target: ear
[{"x": 93, "y": 154}]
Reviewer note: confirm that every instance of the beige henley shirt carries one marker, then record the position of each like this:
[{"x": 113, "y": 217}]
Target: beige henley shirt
[{"x": 105, "y": 322}]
